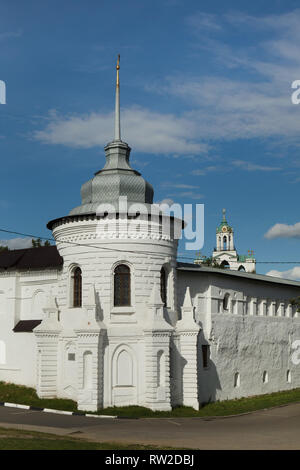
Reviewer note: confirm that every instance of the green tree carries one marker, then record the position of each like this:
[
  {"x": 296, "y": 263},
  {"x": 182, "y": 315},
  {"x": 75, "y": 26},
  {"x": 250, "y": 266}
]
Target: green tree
[
  {"x": 296, "y": 301},
  {"x": 211, "y": 262},
  {"x": 37, "y": 243}
]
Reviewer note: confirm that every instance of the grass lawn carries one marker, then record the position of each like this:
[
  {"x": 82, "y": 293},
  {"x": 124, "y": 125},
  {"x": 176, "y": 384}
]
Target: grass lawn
[
  {"x": 27, "y": 396},
  {"x": 12, "y": 393},
  {"x": 219, "y": 408},
  {"x": 11, "y": 439}
]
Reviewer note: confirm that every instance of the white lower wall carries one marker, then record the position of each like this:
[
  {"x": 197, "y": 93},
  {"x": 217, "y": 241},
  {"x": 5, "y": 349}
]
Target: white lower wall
[
  {"x": 243, "y": 340},
  {"x": 20, "y": 364},
  {"x": 249, "y": 346}
]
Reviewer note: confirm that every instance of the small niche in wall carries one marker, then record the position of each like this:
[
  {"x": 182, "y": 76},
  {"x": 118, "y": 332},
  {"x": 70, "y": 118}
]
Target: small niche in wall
[
  {"x": 160, "y": 369},
  {"x": 205, "y": 355},
  {"x": 265, "y": 377},
  {"x": 124, "y": 366},
  {"x": 87, "y": 370},
  {"x": 237, "y": 380},
  {"x": 289, "y": 377},
  {"x": 226, "y": 303}
]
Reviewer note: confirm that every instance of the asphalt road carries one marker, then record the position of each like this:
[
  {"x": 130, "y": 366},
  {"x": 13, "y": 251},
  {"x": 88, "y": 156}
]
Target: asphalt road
[{"x": 278, "y": 428}]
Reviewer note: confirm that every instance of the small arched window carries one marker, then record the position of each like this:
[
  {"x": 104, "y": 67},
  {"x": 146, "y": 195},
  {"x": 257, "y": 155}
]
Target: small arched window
[
  {"x": 77, "y": 288},
  {"x": 163, "y": 286},
  {"x": 122, "y": 294},
  {"x": 226, "y": 302},
  {"x": 225, "y": 264},
  {"x": 265, "y": 377},
  {"x": 237, "y": 380}
]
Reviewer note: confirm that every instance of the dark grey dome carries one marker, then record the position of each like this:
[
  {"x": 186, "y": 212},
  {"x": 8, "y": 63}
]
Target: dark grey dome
[{"x": 116, "y": 179}]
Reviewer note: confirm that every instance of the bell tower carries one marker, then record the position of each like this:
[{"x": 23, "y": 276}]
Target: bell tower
[
  {"x": 224, "y": 236},
  {"x": 225, "y": 254}
]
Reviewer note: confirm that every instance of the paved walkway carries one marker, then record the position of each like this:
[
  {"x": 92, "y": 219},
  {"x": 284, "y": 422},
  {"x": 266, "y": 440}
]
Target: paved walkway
[{"x": 278, "y": 428}]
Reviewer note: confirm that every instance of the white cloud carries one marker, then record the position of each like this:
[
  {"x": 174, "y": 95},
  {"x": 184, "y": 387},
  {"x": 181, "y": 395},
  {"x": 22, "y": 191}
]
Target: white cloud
[
  {"x": 253, "y": 167},
  {"x": 178, "y": 185},
  {"x": 236, "y": 109},
  {"x": 240, "y": 164},
  {"x": 198, "y": 172},
  {"x": 10, "y": 34},
  {"x": 203, "y": 21},
  {"x": 146, "y": 131},
  {"x": 283, "y": 231},
  {"x": 167, "y": 202},
  {"x": 257, "y": 103},
  {"x": 254, "y": 103},
  {"x": 17, "y": 243},
  {"x": 293, "y": 273},
  {"x": 188, "y": 194}
]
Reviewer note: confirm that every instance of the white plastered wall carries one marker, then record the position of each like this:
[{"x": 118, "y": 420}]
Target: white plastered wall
[
  {"x": 243, "y": 340},
  {"x": 19, "y": 301}
]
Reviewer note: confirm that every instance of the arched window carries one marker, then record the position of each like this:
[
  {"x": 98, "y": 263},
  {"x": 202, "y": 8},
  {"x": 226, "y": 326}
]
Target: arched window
[
  {"x": 237, "y": 380},
  {"x": 226, "y": 302},
  {"x": 225, "y": 264},
  {"x": 265, "y": 377},
  {"x": 163, "y": 286},
  {"x": 224, "y": 243},
  {"x": 77, "y": 288},
  {"x": 122, "y": 297}
]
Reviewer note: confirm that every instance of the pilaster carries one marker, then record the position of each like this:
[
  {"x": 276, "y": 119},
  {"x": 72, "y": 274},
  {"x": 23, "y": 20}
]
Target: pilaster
[
  {"x": 47, "y": 334},
  {"x": 90, "y": 358},
  {"x": 157, "y": 335},
  {"x": 188, "y": 330}
]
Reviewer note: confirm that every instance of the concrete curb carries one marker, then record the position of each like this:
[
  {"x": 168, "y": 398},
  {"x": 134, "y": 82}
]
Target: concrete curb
[
  {"x": 88, "y": 415},
  {"x": 49, "y": 410}
]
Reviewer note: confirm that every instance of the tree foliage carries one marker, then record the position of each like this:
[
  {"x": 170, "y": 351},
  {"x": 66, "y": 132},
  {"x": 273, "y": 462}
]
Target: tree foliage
[
  {"x": 296, "y": 301},
  {"x": 37, "y": 243}
]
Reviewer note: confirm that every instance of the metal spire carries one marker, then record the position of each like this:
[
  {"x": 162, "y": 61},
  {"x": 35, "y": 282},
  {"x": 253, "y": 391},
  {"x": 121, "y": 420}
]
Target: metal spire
[
  {"x": 117, "y": 109},
  {"x": 224, "y": 215}
]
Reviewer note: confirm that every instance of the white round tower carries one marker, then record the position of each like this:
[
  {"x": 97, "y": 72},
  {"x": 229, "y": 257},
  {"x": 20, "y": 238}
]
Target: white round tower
[{"x": 116, "y": 246}]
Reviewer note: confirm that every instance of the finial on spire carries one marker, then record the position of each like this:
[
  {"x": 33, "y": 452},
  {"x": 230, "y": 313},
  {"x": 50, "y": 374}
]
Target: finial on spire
[
  {"x": 117, "y": 108},
  {"x": 118, "y": 68},
  {"x": 224, "y": 215}
]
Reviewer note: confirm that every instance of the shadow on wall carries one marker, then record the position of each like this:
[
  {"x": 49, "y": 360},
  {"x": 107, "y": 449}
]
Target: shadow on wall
[
  {"x": 99, "y": 310},
  {"x": 103, "y": 344},
  {"x": 177, "y": 364},
  {"x": 208, "y": 378}
]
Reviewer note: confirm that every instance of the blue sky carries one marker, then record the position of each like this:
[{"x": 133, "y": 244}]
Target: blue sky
[{"x": 205, "y": 102}]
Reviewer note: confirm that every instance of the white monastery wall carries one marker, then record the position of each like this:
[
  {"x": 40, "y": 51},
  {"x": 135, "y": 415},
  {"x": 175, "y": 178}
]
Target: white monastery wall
[
  {"x": 250, "y": 341},
  {"x": 22, "y": 297}
]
